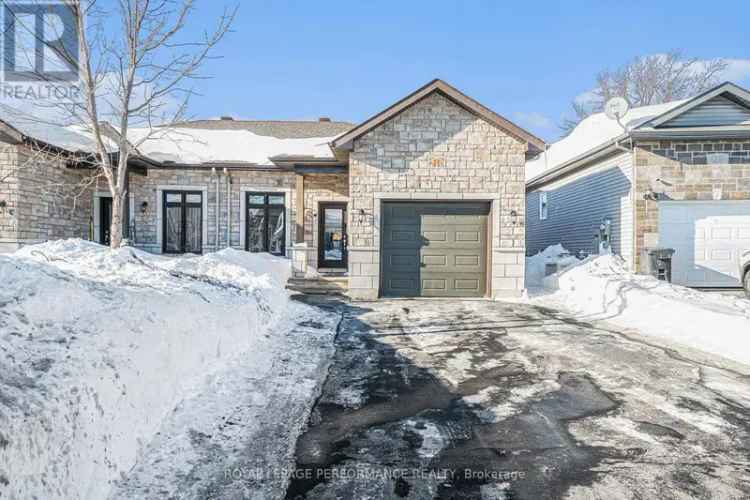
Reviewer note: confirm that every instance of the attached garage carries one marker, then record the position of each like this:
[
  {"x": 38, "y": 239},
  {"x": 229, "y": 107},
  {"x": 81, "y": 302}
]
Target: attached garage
[
  {"x": 708, "y": 238},
  {"x": 434, "y": 249}
]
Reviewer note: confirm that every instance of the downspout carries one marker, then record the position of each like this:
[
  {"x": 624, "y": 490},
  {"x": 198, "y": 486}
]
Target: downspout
[
  {"x": 215, "y": 175},
  {"x": 229, "y": 208}
]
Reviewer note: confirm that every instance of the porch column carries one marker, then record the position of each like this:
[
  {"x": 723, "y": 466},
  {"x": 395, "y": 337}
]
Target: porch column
[
  {"x": 299, "y": 252},
  {"x": 300, "y": 216}
]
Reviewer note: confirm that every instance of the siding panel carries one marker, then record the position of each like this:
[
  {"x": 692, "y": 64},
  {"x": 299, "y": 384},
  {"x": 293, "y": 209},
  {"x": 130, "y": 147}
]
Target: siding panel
[
  {"x": 577, "y": 206},
  {"x": 714, "y": 112}
]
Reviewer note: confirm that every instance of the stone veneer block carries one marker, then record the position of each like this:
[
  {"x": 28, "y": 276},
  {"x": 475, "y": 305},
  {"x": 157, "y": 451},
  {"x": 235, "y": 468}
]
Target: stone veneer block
[{"x": 437, "y": 150}]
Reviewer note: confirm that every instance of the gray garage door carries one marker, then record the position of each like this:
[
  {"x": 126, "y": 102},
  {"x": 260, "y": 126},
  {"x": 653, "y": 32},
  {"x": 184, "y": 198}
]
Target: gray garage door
[{"x": 434, "y": 249}]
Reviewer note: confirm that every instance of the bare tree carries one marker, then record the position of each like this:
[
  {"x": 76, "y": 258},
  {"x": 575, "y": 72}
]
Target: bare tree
[
  {"x": 648, "y": 80},
  {"x": 136, "y": 62}
]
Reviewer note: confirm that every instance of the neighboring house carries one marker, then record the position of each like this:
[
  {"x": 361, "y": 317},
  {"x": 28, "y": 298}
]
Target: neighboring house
[
  {"x": 426, "y": 198},
  {"x": 677, "y": 176}
]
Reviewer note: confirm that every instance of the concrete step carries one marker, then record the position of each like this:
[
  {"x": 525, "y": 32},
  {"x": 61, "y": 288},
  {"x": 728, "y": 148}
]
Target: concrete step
[{"x": 319, "y": 285}]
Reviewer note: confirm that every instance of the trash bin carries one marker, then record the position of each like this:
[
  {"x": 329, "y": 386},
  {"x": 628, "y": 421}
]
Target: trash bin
[{"x": 657, "y": 262}]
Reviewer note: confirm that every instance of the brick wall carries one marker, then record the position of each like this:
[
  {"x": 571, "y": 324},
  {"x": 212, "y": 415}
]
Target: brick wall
[
  {"x": 686, "y": 170},
  {"x": 437, "y": 150}
]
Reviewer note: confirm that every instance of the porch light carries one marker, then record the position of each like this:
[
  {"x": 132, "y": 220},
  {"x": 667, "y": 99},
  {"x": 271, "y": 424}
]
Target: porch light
[
  {"x": 144, "y": 207},
  {"x": 513, "y": 217},
  {"x": 361, "y": 217}
]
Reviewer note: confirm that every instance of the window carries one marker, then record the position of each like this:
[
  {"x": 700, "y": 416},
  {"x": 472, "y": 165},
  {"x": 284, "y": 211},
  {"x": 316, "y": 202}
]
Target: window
[
  {"x": 543, "y": 206},
  {"x": 266, "y": 227},
  {"x": 183, "y": 222}
]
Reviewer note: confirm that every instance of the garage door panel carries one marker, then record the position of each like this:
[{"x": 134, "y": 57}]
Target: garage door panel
[
  {"x": 407, "y": 260},
  {"x": 708, "y": 238},
  {"x": 452, "y": 285},
  {"x": 448, "y": 256}
]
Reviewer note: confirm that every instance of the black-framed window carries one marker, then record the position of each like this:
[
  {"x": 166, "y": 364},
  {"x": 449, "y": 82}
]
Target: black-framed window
[
  {"x": 182, "y": 222},
  {"x": 265, "y": 223}
]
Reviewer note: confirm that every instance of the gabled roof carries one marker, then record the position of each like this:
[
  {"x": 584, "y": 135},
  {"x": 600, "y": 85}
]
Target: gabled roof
[
  {"x": 345, "y": 141},
  {"x": 716, "y": 113},
  {"x": 726, "y": 90}
]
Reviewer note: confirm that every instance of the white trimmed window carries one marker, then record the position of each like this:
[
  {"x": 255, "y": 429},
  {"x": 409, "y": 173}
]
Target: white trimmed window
[{"x": 543, "y": 206}]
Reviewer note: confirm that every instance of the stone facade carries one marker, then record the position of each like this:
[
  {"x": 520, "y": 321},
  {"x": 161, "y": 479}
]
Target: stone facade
[
  {"x": 685, "y": 170},
  {"x": 147, "y": 223},
  {"x": 44, "y": 199},
  {"x": 437, "y": 150},
  {"x": 318, "y": 188}
]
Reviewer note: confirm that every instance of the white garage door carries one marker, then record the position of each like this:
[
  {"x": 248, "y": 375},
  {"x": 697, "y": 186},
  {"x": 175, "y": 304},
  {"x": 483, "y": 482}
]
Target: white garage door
[{"x": 708, "y": 237}]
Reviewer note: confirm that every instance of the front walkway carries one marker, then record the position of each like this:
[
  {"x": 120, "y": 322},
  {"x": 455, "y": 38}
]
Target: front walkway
[{"x": 480, "y": 399}]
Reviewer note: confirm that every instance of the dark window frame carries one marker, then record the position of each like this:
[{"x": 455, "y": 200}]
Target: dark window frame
[
  {"x": 322, "y": 261},
  {"x": 266, "y": 207},
  {"x": 183, "y": 204}
]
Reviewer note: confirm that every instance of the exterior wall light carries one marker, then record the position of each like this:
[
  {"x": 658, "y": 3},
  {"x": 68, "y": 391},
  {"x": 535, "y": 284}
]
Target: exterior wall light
[
  {"x": 144, "y": 207},
  {"x": 513, "y": 217},
  {"x": 361, "y": 215}
]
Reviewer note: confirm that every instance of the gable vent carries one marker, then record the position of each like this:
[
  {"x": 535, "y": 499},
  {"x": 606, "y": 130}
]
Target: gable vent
[{"x": 715, "y": 112}]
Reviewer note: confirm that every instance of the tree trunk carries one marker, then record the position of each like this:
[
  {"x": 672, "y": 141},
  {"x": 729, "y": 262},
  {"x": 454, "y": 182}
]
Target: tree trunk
[{"x": 115, "y": 231}]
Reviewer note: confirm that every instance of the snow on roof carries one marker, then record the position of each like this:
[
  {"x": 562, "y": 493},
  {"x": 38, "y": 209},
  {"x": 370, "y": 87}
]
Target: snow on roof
[
  {"x": 42, "y": 130},
  {"x": 593, "y": 131},
  {"x": 186, "y": 145}
]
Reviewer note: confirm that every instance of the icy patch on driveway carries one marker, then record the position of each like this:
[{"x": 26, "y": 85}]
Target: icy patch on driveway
[
  {"x": 490, "y": 411},
  {"x": 433, "y": 441}
]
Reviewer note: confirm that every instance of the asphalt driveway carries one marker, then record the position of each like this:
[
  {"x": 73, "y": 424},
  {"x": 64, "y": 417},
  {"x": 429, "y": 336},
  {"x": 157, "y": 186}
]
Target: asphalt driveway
[{"x": 479, "y": 399}]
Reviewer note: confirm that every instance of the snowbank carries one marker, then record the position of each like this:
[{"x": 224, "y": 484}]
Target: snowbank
[
  {"x": 602, "y": 288},
  {"x": 98, "y": 346},
  {"x": 536, "y": 265}
]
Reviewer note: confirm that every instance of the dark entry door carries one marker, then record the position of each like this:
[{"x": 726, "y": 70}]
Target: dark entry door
[
  {"x": 332, "y": 235},
  {"x": 105, "y": 220},
  {"x": 434, "y": 249},
  {"x": 183, "y": 222}
]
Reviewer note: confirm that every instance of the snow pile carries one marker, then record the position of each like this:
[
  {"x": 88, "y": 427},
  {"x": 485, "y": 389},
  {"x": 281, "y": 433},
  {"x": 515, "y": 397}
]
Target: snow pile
[
  {"x": 602, "y": 288},
  {"x": 536, "y": 265},
  {"x": 197, "y": 146},
  {"x": 98, "y": 346},
  {"x": 593, "y": 131}
]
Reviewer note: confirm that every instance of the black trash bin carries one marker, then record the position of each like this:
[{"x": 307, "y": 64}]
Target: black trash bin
[{"x": 657, "y": 262}]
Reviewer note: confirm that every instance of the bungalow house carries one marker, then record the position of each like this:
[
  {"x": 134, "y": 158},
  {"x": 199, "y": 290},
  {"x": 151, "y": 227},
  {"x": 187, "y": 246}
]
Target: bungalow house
[
  {"x": 673, "y": 175},
  {"x": 425, "y": 198}
]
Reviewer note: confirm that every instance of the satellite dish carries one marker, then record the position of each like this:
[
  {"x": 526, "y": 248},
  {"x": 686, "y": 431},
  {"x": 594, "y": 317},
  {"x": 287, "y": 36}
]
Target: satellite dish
[{"x": 616, "y": 108}]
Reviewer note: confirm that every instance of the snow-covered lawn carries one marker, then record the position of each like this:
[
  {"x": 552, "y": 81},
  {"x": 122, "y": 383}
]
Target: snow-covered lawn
[
  {"x": 98, "y": 347},
  {"x": 601, "y": 288}
]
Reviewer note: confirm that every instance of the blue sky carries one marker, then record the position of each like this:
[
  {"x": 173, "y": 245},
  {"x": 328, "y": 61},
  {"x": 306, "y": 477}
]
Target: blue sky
[{"x": 525, "y": 60}]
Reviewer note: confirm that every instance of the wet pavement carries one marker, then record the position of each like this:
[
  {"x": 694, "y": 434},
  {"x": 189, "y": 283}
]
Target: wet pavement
[{"x": 492, "y": 400}]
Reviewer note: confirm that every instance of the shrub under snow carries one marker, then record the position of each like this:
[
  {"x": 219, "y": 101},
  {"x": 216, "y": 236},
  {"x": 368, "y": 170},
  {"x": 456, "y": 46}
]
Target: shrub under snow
[{"x": 97, "y": 346}]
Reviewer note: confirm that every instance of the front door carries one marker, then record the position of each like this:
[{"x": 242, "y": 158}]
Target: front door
[
  {"x": 105, "y": 220},
  {"x": 332, "y": 235}
]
